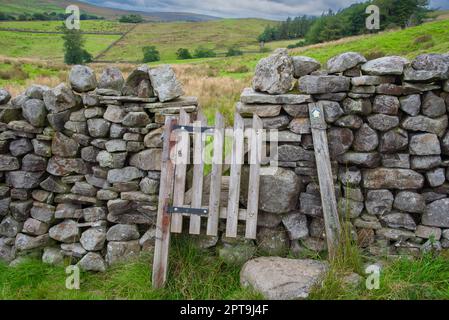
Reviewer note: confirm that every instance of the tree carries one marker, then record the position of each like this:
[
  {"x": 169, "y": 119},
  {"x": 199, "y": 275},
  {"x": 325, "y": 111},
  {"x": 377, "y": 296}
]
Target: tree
[
  {"x": 183, "y": 54},
  {"x": 202, "y": 52},
  {"x": 74, "y": 52},
  {"x": 150, "y": 54},
  {"x": 234, "y": 51},
  {"x": 131, "y": 18}
]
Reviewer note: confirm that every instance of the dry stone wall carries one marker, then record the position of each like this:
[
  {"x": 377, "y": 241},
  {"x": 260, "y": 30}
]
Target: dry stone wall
[
  {"x": 80, "y": 165},
  {"x": 389, "y": 144}
]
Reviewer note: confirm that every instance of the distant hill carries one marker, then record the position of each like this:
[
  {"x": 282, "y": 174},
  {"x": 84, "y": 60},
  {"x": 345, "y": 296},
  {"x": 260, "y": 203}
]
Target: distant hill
[{"x": 38, "y": 6}]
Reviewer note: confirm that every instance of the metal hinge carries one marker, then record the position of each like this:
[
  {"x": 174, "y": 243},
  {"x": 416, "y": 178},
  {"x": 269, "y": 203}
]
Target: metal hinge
[{"x": 189, "y": 211}]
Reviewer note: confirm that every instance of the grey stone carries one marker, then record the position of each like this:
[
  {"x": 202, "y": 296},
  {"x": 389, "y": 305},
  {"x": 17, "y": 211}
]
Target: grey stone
[
  {"x": 364, "y": 224},
  {"x": 82, "y": 79},
  {"x": 73, "y": 250},
  {"x": 164, "y": 82},
  {"x": 25, "y": 242},
  {"x": 411, "y": 104},
  {"x": 345, "y": 61},
  {"x": 282, "y": 279},
  {"x": 111, "y": 78},
  {"x": 124, "y": 175},
  {"x": 304, "y": 65},
  {"x": 34, "y": 112},
  {"x": 385, "y": 66},
  {"x": 279, "y": 122},
  {"x": 399, "y": 220},
  {"x": 34, "y": 163},
  {"x": 149, "y": 160},
  {"x": 94, "y": 214},
  {"x": 353, "y": 193},
  {"x": 118, "y": 251},
  {"x": 52, "y": 256},
  {"x": 134, "y": 79},
  {"x": 393, "y": 141},
  {"x": 296, "y": 225},
  {"x": 428, "y": 67},
  {"x": 358, "y": 106},
  {"x": 268, "y": 220},
  {"x": 252, "y": 97},
  {"x": 67, "y": 232},
  {"x": 317, "y": 228},
  {"x": 10, "y": 227},
  {"x": 136, "y": 119},
  {"x": 43, "y": 212},
  {"x": 371, "y": 80},
  {"x": 58, "y": 120},
  {"x": 426, "y": 232},
  {"x": 424, "y": 144},
  {"x": 386, "y": 105},
  {"x": 397, "y": 160},
  {"x": 425, "y": 162},
  {"x": 274, "y": 74},
  {"x": 59, "y": 99},
  {"x": 90, "y": 154},
  {"x": 5, "y": 96},
  {"x": 4, "y": 206},
  {"x": 41, "y": 148},
  {"x": 93, "y": 112},
  {"x": 349, "y": 121},
  {"x": 292, "y": 153},
  {"x": 388, "y": 178},
  {"x": 350, "y": 176},
  {"x": 363, "y": 159},
  {"x": 114, "y": 114},
  {"x": 383, "y": 122},
  {"x": 436, "y": 177},
  {"x": 90, "y": 100},
  {"x": 324, "y": 84},
  {"x": 106, "y": 195},
  {"x": 68, "y": 211},
  {"x": 262, "y": 111},
  {"x": 310, "y": 205},
  {"x": 422, "y": 123},
  {"x": 273, "y": 242},
  {"x": 379, "y": 202},
  {"x": 111, "y": 160},
  {"x": 93, "y": 239},
  {"x": 64, "y": 146},
  {"x": 84, "y": 189},
  {"x": 365, "y": 139},
  {"x": 436, "y": 215},
  {"x": 64, "y": 166},
  {"x": 410, "y": 202},
  {"x": 116, "y": 145},
  {"x": 340, "y": 141},
  {"x": 8, "y": 163},
  {"x": 35, "y": 227},
  {"x": 149, "y": 186},
  {"x": 433, "y": 106},
  {"x": 76, "y": 127},
  {"x": 55, "y": 185},
  {"x": 332, "y": 110},
  {"x": 24, "y": 179},
  {"x": 394, "y": 234},
  {"x": 20, "y": 210},
  {"x": 154, "y": 139},
  {"x": 20, "y": 147},
  {"x": 350, "y": 208},
  {"x": 98, "y": 128},
  {"x": 92, "y": 262}
]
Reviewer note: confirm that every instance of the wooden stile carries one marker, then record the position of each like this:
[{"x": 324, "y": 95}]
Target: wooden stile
[
  {"x": 162, "y": 244},
  {"x": 183, "y": 155},
  {"x": 215, "y": 176},
  {"x": 328, "y": 199},
  {"x": 198, "y": 172},
  {"x": 236, "y": 170},
  {"x": 255, "y": 155}
]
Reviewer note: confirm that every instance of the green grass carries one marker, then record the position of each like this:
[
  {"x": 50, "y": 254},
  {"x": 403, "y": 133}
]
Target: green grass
[
  {"x": 19, "y": 73},
  {"x": 51, "y": 26},
  {"x": 46, "y": 46},
  {"x": 29, "y": 6},
  {"x": 193, "y": 274},
  {"x": 169, "y": 37}
]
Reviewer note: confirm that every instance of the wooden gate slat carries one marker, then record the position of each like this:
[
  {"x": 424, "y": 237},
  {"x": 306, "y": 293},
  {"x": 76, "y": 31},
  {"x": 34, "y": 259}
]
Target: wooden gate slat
[
  {"x": 322, "y": 158},
  {"x": 162, "y": 244},
  {"x": 183, "y": 156},
  {"x": 236, "y": 170},
  {"x": 216, "y": 176},
  {"x": 198, "y": 172},
  {"x": 255, "y": 142}
]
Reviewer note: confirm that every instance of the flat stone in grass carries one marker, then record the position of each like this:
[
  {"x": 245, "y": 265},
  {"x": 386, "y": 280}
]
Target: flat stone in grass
[{"x": 282, "y": 279}]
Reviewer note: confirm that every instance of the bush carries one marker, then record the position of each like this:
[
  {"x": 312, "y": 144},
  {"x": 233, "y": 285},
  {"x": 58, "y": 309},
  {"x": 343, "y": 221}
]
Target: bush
[
  {"x": 202, "y": 52},
  {"x": 298, "y": 44},
  {"x": 233, "y": 51},
  {"x": 131, "y": 18},
  {"x": 150, "y": 54},
  {"x": 183, "y": 54}
]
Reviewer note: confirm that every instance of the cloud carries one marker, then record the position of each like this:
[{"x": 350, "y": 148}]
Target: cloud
[{"x": 270, "y": 9}]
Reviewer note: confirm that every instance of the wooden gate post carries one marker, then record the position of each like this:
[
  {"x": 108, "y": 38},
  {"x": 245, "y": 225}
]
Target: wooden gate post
[
  {"x": 327, "y": 190},
  {"x": 160, "y": 263}
]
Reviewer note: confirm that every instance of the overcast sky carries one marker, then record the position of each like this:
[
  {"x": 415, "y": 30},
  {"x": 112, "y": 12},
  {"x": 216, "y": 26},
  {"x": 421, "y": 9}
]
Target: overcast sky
[{"x": 270, "y": 9}]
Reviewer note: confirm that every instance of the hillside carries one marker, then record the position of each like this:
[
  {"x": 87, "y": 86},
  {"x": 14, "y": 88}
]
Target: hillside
[{"x": 39, "y": 6}]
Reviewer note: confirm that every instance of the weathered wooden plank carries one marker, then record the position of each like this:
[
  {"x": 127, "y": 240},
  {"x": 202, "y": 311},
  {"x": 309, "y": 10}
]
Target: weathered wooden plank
[
  {"x": 160, "y": 263},
  {"x": 182, "y": 157},
  {"x": 255, "y": 156},
  {"x": 216, "y": 176},
  {"x": 328, "y": 199},
  {"x": 198, "y": 172},
  {"x": 236, "y": 170}
]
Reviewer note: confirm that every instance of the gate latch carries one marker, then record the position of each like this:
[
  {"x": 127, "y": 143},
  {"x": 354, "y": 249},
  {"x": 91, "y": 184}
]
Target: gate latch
[{"x": 189, "y": 211}]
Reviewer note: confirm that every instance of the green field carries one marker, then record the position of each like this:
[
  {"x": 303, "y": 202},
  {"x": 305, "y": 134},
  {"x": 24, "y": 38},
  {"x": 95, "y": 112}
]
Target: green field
[
  {"x": 169, "y": 37},
  {"x": 52, "y": 26},
  {"x": 29, "y": 6},
  {"x": 46, "y": 46}
]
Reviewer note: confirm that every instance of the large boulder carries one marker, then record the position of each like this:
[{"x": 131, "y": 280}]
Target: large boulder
[
  {"x": 111, "y": 78},
  {"x": 428, "y": 67},
  {"x": 164, "y": 82},
  {"x": 274, "y": 74},
  {"x": 282, "y": 279},
  {"x": 304, "y": 65},
  {"x": 279, "y": 189},
  {"x": 82, "y": 79},
  {"x": 393, "y": 65},
  {"x": 345, "y": 61}
]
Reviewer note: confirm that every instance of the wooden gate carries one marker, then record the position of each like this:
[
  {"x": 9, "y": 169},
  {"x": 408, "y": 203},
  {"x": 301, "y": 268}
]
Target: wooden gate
[{"x": 178, "y": 205}]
